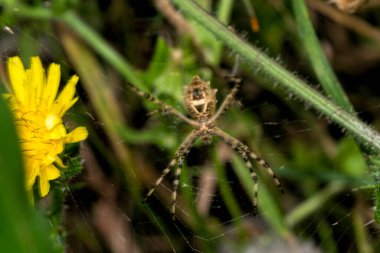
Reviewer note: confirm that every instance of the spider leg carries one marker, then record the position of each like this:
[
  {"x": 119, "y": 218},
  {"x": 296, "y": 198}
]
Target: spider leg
[
  {"x": 234, "y": 145},
  {"x": 254, "y": 178},
  {"x": 157, "y": 111},
  {"x": 182, "y": 153},
  {"x": 228, "y": 100},
  {"x": 266, "y": 165},
  {"x": 233, "y": 142},
  {"x": 179, "y": 156},
  {"x": 248, "y": 163},
  {"x": 159, "y": 180},
  {"x": 175, "y": 185},
  {"x": 164, "y": 106}
]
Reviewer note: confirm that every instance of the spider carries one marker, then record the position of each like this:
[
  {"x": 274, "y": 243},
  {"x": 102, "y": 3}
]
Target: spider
[{"x": 200, "y": 101}]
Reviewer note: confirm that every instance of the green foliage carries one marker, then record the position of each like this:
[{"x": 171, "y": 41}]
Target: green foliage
[
  {"x": 318, "y": 167},
  {"x": 74, "y": 168},
  {"x": 349, "y": 159}
]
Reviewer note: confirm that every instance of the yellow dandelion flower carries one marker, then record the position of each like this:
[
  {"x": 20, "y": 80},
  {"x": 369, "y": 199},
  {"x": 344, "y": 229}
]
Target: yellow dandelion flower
[{"x": 38, "y": 113}]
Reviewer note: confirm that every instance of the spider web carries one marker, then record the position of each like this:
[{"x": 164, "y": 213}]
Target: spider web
[{"x": 101, "y": 216}]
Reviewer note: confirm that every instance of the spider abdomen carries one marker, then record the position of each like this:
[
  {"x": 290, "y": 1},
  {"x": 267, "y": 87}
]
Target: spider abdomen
[{"x": 200, "y": 99}]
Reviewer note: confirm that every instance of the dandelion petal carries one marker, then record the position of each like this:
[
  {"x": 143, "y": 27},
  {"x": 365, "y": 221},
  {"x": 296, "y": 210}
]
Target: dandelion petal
[
  {"x": 16, "y": 73},
  {"x": 37, "y": 80},
  {"x": 52, "y": 84},
  {"x": 52, "y": 172},
  {"x": 78, "y": 134},
  {"x": 44, "y": 183},
  {"x": 65, "y": 96}
]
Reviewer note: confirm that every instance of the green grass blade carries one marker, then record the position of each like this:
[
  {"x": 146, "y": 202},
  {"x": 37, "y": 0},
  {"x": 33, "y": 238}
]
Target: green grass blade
[
  {"x": 226, "y": 191},
  {"x": 308, "y": 207},
  {"x": 317, "y": 57}
]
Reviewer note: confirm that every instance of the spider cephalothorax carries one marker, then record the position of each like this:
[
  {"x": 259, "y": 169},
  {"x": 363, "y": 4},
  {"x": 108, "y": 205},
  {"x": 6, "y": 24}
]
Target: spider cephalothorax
[
  {"x": 200, "y": 102},
  {"x": 199, "y": 99}
]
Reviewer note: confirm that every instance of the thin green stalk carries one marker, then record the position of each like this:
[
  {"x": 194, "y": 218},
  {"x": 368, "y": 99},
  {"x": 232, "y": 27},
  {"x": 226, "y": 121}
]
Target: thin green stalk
[
  {"x": 377, "y": 204},
  {"x": 223, "y": 13},
  {"x": 361, "y": 237},
  {"x": 326, "y": 235},
  {"x": 224, "y": 10},
  {"x": 317, "y": 57},
  {"x": 281, "y": 76},
  {"x": 309, "y": 206},
  {"x": 225, "y": 191}
]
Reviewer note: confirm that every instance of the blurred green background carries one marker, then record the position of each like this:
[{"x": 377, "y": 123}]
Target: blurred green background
[{"x": 329, "y": 172}]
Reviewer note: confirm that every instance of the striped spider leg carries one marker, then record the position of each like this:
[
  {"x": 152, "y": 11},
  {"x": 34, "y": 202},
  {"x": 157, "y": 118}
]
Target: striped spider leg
[
  {"x": 179, "y": 157},
  {"x": 200, "y": 102},
  {"x": 244, "y": 151},
  {"x": 164, "y": 107}
]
